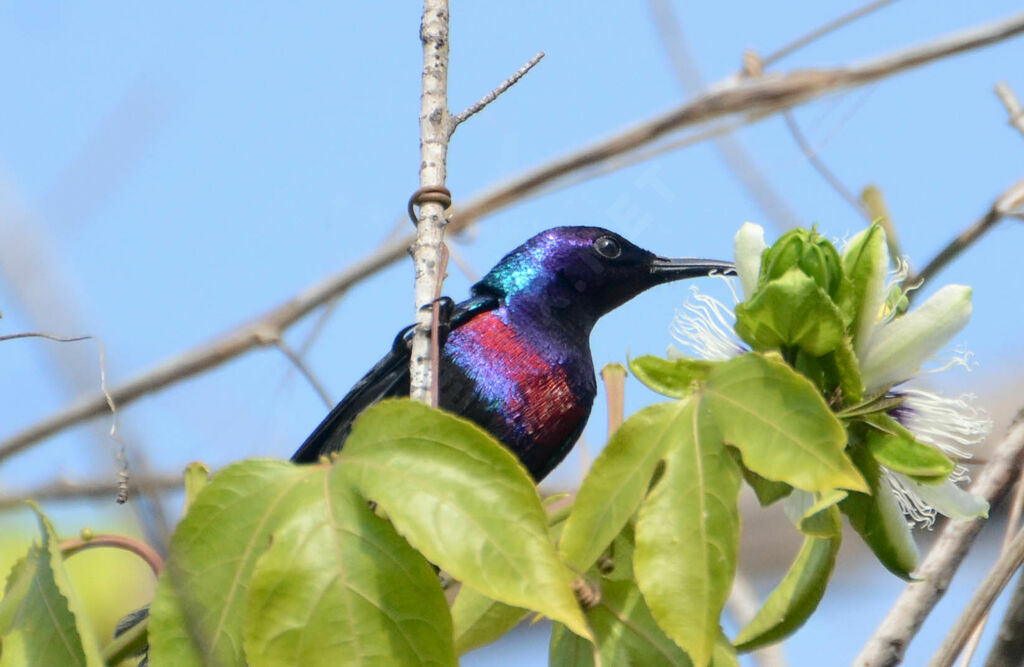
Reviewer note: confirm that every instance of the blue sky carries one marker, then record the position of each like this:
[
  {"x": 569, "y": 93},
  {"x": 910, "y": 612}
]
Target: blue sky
[{"x": 184, "y": 167}]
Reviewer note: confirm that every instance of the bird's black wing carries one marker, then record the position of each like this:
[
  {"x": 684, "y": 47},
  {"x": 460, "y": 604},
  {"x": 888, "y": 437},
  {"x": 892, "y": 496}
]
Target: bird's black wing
[{"x": 390, "y": 377}]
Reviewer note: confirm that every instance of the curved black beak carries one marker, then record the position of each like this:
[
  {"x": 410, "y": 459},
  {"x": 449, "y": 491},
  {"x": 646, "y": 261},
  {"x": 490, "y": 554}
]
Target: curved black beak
[{"x": 666, "y": 270}]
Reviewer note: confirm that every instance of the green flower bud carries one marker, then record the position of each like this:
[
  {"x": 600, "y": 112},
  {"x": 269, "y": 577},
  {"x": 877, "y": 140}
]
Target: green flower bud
[{"x": 811, "y": 253}]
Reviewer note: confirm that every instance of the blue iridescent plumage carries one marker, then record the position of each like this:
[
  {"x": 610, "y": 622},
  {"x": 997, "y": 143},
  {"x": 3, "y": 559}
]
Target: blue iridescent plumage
[{"x": 517, "y": 358}]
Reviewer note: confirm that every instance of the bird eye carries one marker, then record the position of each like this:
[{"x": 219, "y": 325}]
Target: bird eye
[{"x": 608, "y": 247}]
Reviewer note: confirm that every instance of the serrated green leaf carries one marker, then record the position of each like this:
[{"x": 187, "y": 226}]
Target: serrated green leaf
[
  {"x": 618, "y": 481},
  {"x": 895, "y": 447},
  {"x": 780, "y": 423},
  {"x": 798, "y": 594},
  {"x": 198, "y": 611},
  {"x": 338, "y": 585},
  {"x": 41, "y": 619},
  {"x": 479, "y": 620},
  {"x": 879, "y": 521},
  {"x": 463, "y": 501},
  {"x": 687, "y": 535},
  {"x": 674, "y": 378},
  {"x": 791, "y": 311}
]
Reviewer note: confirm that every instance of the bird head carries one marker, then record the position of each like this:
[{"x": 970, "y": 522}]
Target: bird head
[{"x": 581, "y": 273}]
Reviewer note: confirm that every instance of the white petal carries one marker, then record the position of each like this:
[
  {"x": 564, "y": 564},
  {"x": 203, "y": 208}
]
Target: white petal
[
  {"x": 872, "y": 266},
  {"x": 897, "y": 349},
  {"x": 948, "y": 498},
  {"x": 749, "y": 244}
]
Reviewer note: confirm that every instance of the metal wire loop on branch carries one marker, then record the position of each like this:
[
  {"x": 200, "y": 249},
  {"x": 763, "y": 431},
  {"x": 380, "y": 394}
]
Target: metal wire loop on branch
[{"x": 435, "y": 194}]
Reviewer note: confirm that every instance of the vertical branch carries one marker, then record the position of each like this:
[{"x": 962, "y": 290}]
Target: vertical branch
[{"x": 434, "y": 134}]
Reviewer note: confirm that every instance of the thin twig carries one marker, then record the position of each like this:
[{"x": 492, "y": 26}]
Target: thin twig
[
  {"x": 307, "y": 373},
  {"x": 435, "y": 338},
  {"x": 748, "y": 100},
  {"x": 1005, "y": 205},
  {"x": 818, "y": 33},
  {"x": 1012, "y": 104},
  {"x": 889, "y": 642},
  {"x": 493, "y": 95},
  {"x": 994, "y": 583},
  {"x": 64, "y": 490},
  {"x": 741, "y": 163},
  {"x": 821, "y": 168}
]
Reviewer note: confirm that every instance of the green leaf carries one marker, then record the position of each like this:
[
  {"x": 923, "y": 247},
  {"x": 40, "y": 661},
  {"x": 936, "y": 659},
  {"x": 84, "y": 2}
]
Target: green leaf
[
  {"x": 879, "y": 521},
  {"x": 766, "y": 490},
  {"x": 780, "y": 424},
  {"x": 479, "y": 620},
  {"x": 41, "y": 619},
  {"x": 197, "y": 476},
  {"x": 198, "y": 611},
  {"x": 618, "y": 481},
  {"x": 568, "y": 649},
  {"x": 627, "y": 633},
  {"x": 791, "y": 310},
  {"x": 798, "y": 594},
  {"x": 896, "y": 448},
  {"x": 675, "y": 378},
  {"x": 463, "y": 501},
  {"x": 338, "y": 585},
  {"x": 687, "y": 535}
]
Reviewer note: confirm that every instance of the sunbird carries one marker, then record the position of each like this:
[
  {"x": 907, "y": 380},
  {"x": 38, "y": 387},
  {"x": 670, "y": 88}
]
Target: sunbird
[{"x": 515, "y": 356}]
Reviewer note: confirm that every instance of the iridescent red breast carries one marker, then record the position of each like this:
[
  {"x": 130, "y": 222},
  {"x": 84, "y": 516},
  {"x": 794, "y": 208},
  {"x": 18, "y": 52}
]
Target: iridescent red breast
[{"x": 526, "y": 391}]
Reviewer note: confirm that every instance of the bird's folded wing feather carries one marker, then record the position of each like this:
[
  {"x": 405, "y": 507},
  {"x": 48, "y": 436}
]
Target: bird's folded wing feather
[{"x": 389, "y": 378}]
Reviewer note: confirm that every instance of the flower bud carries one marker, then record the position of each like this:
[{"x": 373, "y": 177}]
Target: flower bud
[{"x": 811, "y": 253}]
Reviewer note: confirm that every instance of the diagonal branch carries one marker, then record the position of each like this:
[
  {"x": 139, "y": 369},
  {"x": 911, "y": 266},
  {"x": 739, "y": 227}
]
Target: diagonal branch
[{"x": 750, "y": 100}]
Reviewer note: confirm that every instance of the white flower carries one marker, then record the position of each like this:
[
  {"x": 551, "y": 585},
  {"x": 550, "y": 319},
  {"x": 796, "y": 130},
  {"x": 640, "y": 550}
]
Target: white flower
[{"x": 891, "y": 350}]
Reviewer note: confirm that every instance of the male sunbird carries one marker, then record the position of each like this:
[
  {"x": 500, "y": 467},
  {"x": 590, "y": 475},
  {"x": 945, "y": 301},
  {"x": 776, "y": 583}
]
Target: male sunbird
[{"x": 515, "y": 356}]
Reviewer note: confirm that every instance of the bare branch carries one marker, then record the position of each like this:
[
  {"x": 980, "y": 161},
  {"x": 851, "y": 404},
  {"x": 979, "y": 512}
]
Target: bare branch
[
  {"x": 982, "y": 600},
  {"x": 307, "y": 373},
  {"x": 873, "y": 201},
  {"x": 493, "y": 95},
  {"x": 1004, "y": 206},
  {"x": 1009, "y": 643},
  {"x": 66, "y": 490},
  {"x": 889, "y": 643},
  {"x": 431, "y": 221},
  {"x": 748, "y": 100},
  {"x": 1012, "y": 104}
]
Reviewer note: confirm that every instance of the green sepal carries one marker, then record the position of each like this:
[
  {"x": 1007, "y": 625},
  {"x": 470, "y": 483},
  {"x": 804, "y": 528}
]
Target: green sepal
[
  {"x": 791, "y": 311},
  {"x": 895, "y": 447},
  {"x": 878, "y": 519}
]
